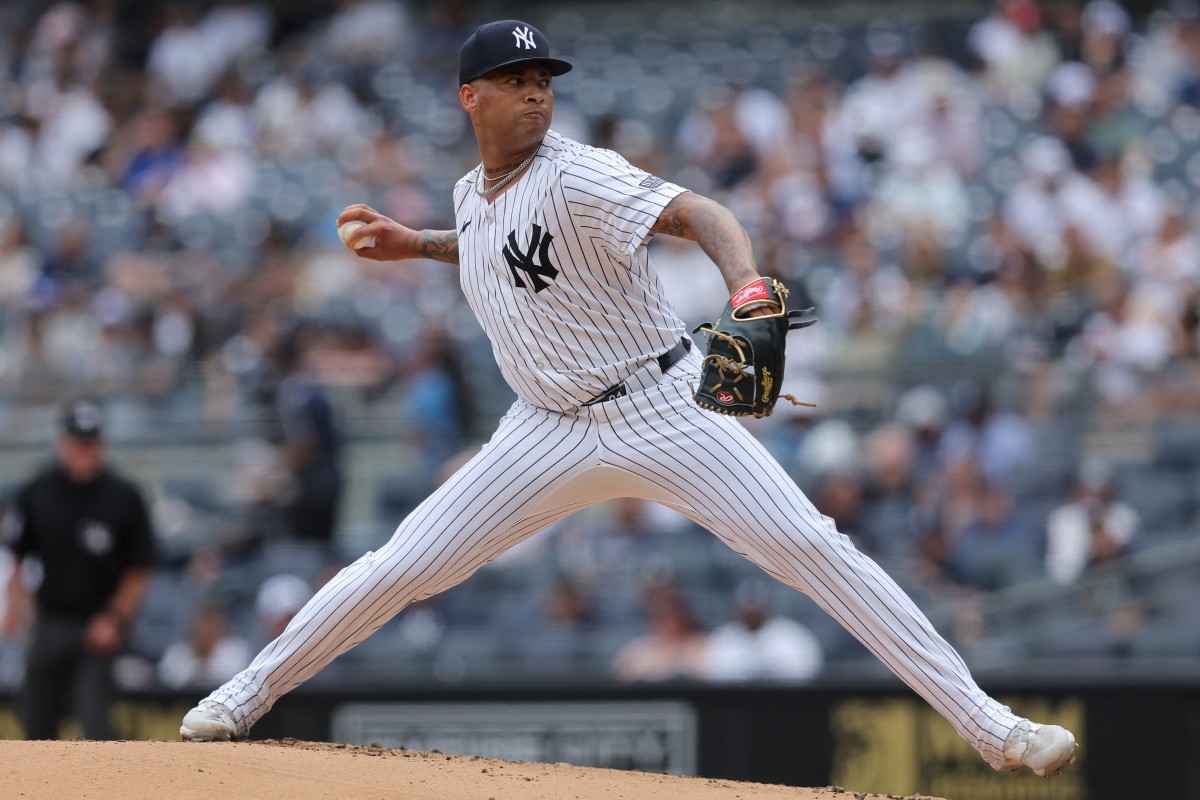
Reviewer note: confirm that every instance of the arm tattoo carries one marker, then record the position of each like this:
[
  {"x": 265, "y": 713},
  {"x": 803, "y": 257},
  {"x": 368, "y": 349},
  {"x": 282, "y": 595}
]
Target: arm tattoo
[
  {"x": 439, "y": 245},
  {"x": 716, "y": 230}
]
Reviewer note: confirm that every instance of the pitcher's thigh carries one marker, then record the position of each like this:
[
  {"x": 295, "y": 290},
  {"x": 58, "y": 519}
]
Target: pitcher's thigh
[
  {"x": 719, "y": 475},
  {"x": 482, "y": 510}
]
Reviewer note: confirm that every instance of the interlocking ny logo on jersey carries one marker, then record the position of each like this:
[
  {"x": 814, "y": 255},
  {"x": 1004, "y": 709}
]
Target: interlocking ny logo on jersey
[
  {"x": 523, "y": 261},
  {"x": 524, "y": 37}
]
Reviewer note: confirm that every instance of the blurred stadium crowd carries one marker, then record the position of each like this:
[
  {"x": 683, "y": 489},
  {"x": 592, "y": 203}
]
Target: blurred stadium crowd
[{"x": 991, "y": 205}]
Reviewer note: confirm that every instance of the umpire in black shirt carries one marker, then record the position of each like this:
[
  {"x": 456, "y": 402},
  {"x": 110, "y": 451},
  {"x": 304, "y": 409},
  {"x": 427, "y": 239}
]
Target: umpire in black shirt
[{"x": 89, "y": 528}]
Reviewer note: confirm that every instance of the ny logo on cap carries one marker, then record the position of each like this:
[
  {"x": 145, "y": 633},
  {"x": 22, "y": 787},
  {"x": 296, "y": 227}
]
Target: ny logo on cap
[{"x": 524, "y": 36}]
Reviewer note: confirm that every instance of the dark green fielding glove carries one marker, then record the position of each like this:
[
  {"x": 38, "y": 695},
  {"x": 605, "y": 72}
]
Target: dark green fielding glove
[{"x": 743, "y": 370}]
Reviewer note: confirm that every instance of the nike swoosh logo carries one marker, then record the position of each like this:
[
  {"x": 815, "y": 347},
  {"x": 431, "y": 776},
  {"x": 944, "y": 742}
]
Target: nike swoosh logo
[{"x": 466, "y": 225}]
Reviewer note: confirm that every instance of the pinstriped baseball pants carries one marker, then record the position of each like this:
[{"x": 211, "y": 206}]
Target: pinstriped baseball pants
[{"x": 655, "y": 443}]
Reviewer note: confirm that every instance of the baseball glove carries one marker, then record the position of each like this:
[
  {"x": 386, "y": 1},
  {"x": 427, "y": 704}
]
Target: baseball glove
[{"x": 743, "y": 370}]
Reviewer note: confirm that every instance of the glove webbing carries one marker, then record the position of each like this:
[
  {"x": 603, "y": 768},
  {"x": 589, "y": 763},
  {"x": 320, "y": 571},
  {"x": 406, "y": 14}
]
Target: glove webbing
[{"x": 729, "y": 368}]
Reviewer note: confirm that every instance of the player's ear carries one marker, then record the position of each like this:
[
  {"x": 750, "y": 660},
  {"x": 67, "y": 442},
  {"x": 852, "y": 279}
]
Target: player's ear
[{"x": 468, "y": 97}]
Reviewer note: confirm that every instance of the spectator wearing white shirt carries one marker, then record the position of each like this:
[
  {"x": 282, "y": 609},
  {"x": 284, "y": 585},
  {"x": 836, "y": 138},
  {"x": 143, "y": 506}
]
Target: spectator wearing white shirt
[
  {"x": 1166, "y": 61},
  {"x": 209, "y": 654},
  {"x": 1033, "y": 209},
  {"x": 950, "y": 116},
  {"x": 183, "y": 63},
  {"x": 947, "y": 107},
  {"x": 19, "y": 263},
  {"x": 308, "y": 114},
  {"x": 212, "y": 180},
  {"x": 72, "y": 124},
  {"x": 865, "y": 296},
  {"x": 229, "y": 121},
  {"x": 880, "y": 103},
  {"x": 1114, "y": 208},
  {"x": 18, "y": 160},
  {"x": 368, "y": 31},
  {"x": 1125, "y": 345},
  {"x": 1091, "y": 528},
  {"x": 809, "y": 171},
  {"x": 920, "y": 195},
  {"x": 236, "y": 29},
  {"x": 1015, "y": 49},
  {"x": 1104, "y": 25},
  {"x": 278, "y": 599},
  {"x": 759, "y": 646},
  {"x": 1166, "y": 268}
]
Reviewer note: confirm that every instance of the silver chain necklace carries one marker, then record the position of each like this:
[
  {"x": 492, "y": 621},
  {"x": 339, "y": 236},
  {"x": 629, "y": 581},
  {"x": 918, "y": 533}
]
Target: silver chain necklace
[{"x": 486, "y": 193}]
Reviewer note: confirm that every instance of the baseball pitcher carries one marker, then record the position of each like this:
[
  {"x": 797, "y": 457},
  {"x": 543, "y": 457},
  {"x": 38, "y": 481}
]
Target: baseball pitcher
[{"x": 612, "y": 401}]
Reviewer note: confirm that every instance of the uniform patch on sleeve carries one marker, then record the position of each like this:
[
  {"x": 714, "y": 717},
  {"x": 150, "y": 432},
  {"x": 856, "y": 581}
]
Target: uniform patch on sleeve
[{"x": 651, "y": 182}]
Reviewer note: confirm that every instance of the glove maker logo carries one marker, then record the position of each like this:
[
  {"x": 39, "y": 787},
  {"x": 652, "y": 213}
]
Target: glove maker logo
[
  {"x": 755, "y": 291},
  {"x": 725, "y": 398}
]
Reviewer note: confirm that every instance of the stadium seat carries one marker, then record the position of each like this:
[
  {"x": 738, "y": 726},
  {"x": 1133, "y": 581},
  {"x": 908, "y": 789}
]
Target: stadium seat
[{"x": 1164, "y": 498}]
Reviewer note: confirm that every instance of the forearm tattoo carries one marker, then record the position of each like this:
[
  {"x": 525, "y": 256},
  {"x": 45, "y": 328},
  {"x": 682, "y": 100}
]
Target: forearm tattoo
[
  {"x": 439, "y": 245},
  {"x": 716, "y": 230}
]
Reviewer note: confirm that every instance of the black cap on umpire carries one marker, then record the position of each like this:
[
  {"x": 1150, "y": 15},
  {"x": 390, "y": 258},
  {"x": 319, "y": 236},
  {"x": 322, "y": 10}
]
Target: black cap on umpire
[
  {"x": 83, "y": 419},
  {"x": 498, "y": 44}
]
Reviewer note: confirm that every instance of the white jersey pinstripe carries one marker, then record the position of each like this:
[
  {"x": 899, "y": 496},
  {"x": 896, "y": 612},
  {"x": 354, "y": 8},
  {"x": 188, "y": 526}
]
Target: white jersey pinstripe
[{"x": 599, "y": 320}]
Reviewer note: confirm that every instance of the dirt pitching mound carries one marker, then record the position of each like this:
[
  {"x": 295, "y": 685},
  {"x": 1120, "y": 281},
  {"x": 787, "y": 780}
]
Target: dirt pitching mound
[{"x": 296, "y": 770}]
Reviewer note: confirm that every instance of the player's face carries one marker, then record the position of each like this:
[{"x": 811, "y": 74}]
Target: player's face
[{"x": 515, "y": 102}]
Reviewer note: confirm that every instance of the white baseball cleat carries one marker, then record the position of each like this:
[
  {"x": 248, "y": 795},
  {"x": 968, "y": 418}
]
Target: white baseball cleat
[
  {"x": 208, "y": 722},
  {"x": 1045, "y": 749}
]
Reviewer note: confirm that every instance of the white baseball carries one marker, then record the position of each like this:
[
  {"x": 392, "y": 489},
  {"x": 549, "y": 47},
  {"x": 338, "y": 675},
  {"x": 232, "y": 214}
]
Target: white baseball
[{"x": 350, "y": 227}]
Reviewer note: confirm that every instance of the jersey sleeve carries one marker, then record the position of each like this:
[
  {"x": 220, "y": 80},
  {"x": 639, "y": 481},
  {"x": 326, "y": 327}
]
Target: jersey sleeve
[
  {"x": 460, "y": 195},
  {"x": 14, "y": 527},
  {"x": 615, "y": 200},
  {"x": 139, "y": 547}
]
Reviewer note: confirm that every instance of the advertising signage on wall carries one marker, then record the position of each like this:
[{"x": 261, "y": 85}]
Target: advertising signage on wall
[
  {"x": 1137, "y": 740},
  {"x": 899, "y": 745},
  {"x": 648, "y": 736}
]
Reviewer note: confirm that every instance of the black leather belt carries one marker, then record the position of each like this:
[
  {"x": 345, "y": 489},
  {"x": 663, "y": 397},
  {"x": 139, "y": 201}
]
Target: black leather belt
[{"x": 665, "y": 362}]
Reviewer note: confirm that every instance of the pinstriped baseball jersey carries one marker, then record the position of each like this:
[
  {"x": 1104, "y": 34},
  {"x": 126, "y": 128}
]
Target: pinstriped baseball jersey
[{"x": 557, "y": 272}]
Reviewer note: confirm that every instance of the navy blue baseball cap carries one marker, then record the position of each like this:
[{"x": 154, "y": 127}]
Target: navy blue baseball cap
[{"x": 498, "y": 44}]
